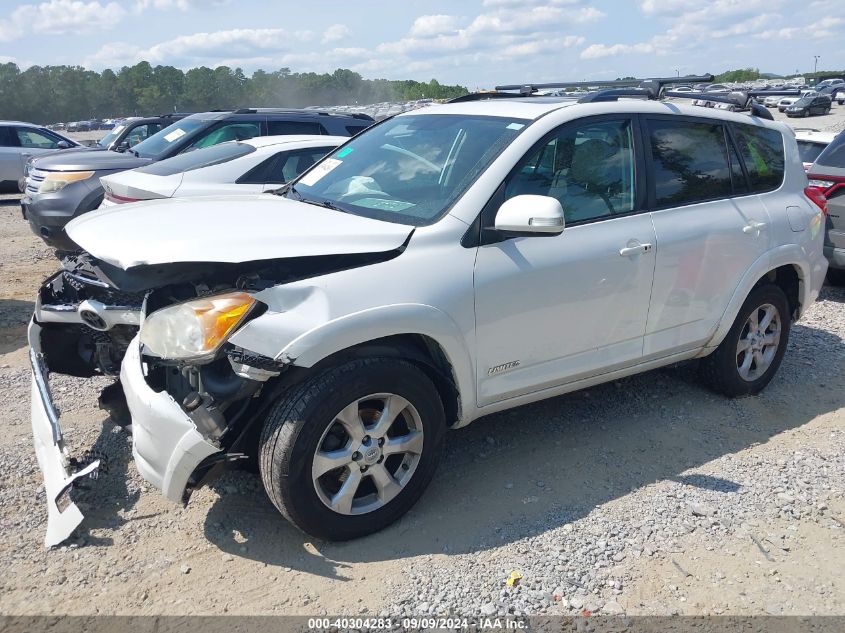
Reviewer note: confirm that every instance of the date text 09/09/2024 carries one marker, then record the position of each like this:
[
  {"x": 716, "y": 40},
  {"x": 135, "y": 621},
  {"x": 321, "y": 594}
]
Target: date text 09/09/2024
[{"x": 416, "y": 623}]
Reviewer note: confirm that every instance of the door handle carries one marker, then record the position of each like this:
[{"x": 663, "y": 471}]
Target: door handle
[
  {"x": 753, "y": 227},
  {"x": 637, "y": 249}
]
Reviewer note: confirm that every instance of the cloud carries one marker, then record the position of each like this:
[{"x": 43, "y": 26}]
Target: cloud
[
  {"x": 823, "y": 29},
  {"x": 693, "y": 25},
  {"x": 432, "y": 25},
  {"x": 182, "y": 5},
  {"x": 335, "y": 33},
  {"x": 234, "y": 47},
  {"x": 58, "y": 17},
  {"x": 597, "y": 51}
]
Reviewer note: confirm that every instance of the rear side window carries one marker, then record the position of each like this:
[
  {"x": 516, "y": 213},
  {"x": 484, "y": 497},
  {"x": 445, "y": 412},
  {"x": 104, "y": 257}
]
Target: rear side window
[
  {"x": 834, "y": 154},
  {"x": 762, "y": 151},
  {"x": 206, "y": 157},
  {"x": 690, "y": 162},
  {"x": 284, "y": 166},
  {"x": 287, "y": 128},
  {"x": 808, "y": 151},
  {"x": 8, "y": 138}
]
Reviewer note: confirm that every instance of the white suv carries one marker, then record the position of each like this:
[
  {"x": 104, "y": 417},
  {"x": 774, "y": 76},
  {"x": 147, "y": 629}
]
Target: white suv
[{"x": 443, "y": 265}]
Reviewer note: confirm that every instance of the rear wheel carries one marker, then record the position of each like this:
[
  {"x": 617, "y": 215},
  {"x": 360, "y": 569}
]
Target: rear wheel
[
  {"x": 749, "y": 356},
  {"x": 349, "y": 451}
]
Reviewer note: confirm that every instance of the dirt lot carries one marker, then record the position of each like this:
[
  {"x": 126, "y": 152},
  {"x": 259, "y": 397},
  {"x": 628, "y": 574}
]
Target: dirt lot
[{"x": 647, "y": 495}]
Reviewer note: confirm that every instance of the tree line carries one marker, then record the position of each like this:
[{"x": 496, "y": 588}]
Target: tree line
[{"x": 50, "y": 94}]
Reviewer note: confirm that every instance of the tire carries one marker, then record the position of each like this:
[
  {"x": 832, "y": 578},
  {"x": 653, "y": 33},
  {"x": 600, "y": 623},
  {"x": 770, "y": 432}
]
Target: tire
[
  {"x": 307, "y": 419},
  {"x": 721, "y": 371}
]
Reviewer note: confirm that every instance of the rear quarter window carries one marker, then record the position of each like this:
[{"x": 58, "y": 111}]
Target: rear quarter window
[{"x": 761, "y": 149}]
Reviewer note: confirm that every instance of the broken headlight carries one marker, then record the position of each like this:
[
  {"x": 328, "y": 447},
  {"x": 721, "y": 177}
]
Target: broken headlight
[{"x": 197, "y": 328}]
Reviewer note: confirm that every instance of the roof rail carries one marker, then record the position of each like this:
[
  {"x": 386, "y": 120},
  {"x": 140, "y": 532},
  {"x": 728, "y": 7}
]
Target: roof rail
[{"x": 612, "y": 94}]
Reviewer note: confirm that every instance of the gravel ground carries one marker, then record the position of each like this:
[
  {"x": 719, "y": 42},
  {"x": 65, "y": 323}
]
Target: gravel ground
[{"x": 649, "y": 495}]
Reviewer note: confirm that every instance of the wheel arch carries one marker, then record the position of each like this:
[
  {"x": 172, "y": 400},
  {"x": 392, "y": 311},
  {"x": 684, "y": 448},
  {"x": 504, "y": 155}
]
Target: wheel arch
[
  {"x": 783, "y": 267},
  {"x": 421, "y": 334}
]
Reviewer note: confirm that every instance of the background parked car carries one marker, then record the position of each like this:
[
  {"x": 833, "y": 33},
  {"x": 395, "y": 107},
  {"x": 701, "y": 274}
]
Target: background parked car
[
  {"x": 840, "y": 97},
  {"x": 18, "y": 142},
  {"x": 811, "y": 143},
  {"x": 232, "y": 168},
  {"x": 67, "y": 186},
  {"x": 130, "y": 132},
  {"x": 809, "y": 106},
  {"x": 828, "y": 175},
  {"x": 772, "y": 101}
]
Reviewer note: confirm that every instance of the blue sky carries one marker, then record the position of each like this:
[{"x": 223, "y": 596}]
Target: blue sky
[{"x": 477, "y": 43}]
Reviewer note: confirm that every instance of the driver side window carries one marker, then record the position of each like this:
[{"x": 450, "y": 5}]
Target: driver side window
[{"x": 587, "y": 166}]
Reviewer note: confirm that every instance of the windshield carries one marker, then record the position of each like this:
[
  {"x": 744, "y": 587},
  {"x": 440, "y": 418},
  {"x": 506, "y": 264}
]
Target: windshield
[
  {"x": 109, "y": 138},
  {"x": 800, "y": 103},
  {"x": 198, "y": 159},
  {"x": 161, "y": 141},
  {"x": 409, "y": 169},
  {"x": 809, "y": 151}
]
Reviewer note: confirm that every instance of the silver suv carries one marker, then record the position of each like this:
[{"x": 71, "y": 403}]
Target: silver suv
[{"x": 445, "y": 264}]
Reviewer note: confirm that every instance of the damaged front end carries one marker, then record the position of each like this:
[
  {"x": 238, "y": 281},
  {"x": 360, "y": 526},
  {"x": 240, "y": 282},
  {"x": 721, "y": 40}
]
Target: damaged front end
[{"x": 191, "y": 417}]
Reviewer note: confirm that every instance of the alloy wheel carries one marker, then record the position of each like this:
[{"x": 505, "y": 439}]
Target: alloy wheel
[
  {"x": 758, "y": 342},
  {"x": 367, "y": 454}
]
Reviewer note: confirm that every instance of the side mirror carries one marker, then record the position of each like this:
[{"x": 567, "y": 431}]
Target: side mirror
[
  {"x": 530, "y": 215},
  {"x": 63, "y": 145}
]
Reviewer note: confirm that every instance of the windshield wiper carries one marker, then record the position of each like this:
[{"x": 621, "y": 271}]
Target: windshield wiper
[{"x": 326, "y": 204}]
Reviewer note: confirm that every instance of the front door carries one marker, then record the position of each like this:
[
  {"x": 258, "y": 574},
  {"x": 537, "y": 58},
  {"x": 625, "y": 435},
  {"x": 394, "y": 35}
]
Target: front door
[{"x": 551, "y": 310}]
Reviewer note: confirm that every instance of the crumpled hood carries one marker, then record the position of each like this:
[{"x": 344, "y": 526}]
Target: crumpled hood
[{"x": 230, "y": 229}]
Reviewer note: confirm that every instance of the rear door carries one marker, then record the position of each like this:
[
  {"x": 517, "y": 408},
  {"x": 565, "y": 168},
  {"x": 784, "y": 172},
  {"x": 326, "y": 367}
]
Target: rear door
[
  {"x": 710, "y": 228},
  {"x": 10, "y": 151},
  {"x": 34, "y": 143}
]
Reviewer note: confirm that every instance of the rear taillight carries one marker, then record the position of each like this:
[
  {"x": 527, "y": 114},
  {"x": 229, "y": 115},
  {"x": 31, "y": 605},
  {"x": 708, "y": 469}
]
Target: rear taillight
[
  {"x": 113, "y": 197},
  {"x": 817, "y": 197}
]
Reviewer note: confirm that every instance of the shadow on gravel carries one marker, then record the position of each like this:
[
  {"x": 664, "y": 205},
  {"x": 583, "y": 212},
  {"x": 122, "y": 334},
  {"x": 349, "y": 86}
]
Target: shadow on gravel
[
  {"x": 831, "y": 292},
  {"x": 14, "y": 315},
  {"x": 110, "y": 494},
  {"x": 523, "y": 472}
]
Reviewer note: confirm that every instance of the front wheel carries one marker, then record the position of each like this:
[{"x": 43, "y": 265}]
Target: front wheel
[
  {"x": 349, "y": 451},
  {"x": 749, "y": 356}
]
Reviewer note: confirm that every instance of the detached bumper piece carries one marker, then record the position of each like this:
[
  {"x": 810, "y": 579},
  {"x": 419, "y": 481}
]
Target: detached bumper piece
[{"x": 61, "y": 472}]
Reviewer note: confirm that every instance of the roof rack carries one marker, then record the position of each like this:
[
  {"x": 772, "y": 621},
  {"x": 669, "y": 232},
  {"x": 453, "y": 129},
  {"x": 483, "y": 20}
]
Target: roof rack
[
  {"x": 739, "y": 99},
  {"x": 652, "y": 88},
  {"x": 650, "y": 84}
]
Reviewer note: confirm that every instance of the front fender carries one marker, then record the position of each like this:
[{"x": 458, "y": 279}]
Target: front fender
[{"x": 310, "y": 342}]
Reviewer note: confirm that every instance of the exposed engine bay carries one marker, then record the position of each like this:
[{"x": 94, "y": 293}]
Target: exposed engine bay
[{"x": 89, "y": 313}]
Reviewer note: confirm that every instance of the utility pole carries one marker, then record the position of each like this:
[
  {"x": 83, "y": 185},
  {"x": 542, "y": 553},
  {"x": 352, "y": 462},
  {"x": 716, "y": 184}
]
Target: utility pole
[
  {"x": 816, "y": 65},
  {"x": 678, "y": 71}
]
